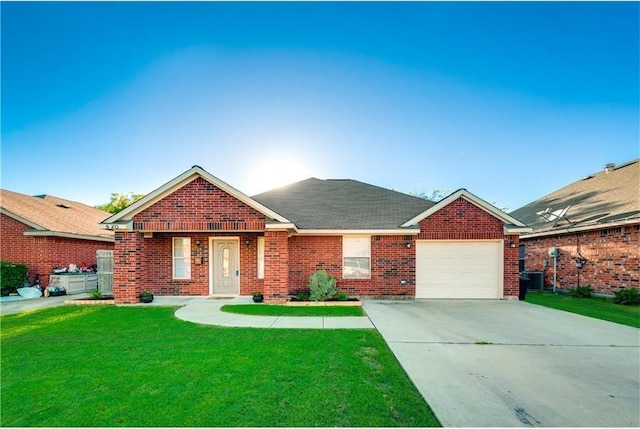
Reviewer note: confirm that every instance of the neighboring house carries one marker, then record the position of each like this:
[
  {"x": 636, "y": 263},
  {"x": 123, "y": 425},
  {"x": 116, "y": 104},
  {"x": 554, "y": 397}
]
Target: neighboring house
[
  {"x": 44, "y": 232},
  {"x": 197, "y": 235},
  {"x": 595, "y": 224}
]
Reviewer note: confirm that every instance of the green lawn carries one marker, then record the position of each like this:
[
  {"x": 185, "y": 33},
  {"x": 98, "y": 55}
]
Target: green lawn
[
  {"x": 132, "y": 366},
  {"x": 599, "y": 308},
  {"x": 283, "y": 310}
]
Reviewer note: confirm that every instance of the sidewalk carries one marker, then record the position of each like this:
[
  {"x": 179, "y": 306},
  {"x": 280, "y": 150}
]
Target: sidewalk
[{"x": 206, "y": 310}]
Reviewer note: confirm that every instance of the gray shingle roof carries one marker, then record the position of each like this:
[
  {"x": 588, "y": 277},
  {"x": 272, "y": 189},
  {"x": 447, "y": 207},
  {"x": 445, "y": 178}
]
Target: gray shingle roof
[
  {"x": 342, "y": 204},
  {"x": 598, "y": 199}
]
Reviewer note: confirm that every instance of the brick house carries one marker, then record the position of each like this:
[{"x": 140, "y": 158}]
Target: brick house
[
  {"x": 44, "y": 232},
  {"x": 197, "y": 235},
  {"x": 595, "y": 225}
]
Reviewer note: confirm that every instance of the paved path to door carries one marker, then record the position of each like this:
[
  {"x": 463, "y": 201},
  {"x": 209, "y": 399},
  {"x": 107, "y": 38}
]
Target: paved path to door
[{"x": 510, "y": 363}]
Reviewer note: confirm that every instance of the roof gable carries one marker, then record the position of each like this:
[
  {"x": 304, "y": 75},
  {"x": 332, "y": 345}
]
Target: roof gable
[
  {"x": 49, "y": 215},
  {"x": 182, "y": 180},
  {"x": 316, "y": 205},
  {"x": 513, "y": 224},
  {"x": 600, "y": 199}
]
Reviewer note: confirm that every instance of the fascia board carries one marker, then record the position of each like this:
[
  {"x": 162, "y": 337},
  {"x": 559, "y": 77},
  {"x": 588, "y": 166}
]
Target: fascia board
[
  {"x": 471, "y": 198},
  {"x": 573, "y": 229},
  {"x": 22, "y": 220},
  {"x": 358, "y": 232},
  {"x": 182, "y": 180},
  {"x": 68, "y": 235}
]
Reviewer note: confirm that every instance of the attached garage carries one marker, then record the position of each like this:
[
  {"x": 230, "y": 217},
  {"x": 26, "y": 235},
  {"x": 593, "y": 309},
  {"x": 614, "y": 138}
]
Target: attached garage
[{"x": 471, "y": 269}]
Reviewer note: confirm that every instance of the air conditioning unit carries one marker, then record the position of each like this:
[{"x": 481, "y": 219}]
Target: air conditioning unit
[{"x": 554, "y": 252}]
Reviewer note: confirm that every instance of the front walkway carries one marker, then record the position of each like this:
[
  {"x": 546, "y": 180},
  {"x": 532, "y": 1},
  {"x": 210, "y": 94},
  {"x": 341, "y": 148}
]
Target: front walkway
[{"x": 207, "y": 311}]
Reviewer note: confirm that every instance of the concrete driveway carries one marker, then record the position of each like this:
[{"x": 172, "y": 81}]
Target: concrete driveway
[{"x": 511, "y": 363}]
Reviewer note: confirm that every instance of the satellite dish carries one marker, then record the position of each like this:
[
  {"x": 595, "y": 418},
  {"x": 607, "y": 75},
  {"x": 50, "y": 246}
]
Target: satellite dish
[{"x": 553, "y": 216}]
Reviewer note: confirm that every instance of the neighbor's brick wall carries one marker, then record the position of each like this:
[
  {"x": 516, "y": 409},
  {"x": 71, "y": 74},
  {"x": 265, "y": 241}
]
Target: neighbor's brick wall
[
  {"x": 391, "y": 263},
  {"x": 462, "y": 220},
  {"x": 42, "y": 254},
  {"x": 612, "y": 254},
  {"x": 199, "y": 206}
]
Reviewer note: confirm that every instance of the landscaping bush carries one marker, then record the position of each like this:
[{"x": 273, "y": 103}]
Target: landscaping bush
[
  {"x": 322, "y": 286},
  {"x": 12, "y": 276},
  {"x": 627, "y": 297},
  {"x": 581, "y": 292}
]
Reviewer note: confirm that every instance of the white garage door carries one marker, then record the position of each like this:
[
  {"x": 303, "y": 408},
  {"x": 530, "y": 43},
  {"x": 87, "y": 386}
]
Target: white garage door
[{"x": 459, "y": 269}]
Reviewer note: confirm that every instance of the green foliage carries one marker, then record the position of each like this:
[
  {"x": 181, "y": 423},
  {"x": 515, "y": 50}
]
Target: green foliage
[
  {"x": 303, "y": 296},
  {"x": 322, "y": 286},
  {"x": 341, "y": 296},
  {"x": 146, "y": 293},
  {"x": 627, "y": 297},
  {"x": 295, "y": 311},
  {"x": 270, "y": 377},
  {"x": 95, "y": 294},
  {"x": 119, "y": 202},
  {"x": 599, "y": 308},
  {"x": 12, "y": 276},
  {"x": 581, "y": 292}
]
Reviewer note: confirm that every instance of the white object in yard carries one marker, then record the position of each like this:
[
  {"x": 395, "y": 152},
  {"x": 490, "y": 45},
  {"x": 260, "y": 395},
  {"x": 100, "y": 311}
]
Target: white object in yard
[
  {"x": 74, "y": 283},
  {"x": 29, "y": 292}
]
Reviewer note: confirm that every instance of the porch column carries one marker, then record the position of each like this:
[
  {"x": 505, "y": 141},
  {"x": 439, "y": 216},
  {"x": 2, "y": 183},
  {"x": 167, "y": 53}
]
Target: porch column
[
  {"x": 128, "y": 271},
  {"x": 276, "y": 266}
]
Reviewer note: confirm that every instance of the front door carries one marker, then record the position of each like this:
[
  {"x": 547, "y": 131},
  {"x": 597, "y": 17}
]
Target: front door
[{"x": 226, "y": 274}]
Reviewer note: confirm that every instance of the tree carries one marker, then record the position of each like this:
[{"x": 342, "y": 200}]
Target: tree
[
  {"x": 119, "y": 202},
  {"x": 435, "y": 195}
]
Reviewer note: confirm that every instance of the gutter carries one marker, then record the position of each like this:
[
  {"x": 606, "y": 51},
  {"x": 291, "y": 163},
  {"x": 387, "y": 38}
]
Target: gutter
[{"x": 580, "y": 228}]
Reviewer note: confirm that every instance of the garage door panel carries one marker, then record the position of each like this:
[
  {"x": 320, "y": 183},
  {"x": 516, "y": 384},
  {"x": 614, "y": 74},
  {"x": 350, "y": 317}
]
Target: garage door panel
[{"x": 459, "y": 269}]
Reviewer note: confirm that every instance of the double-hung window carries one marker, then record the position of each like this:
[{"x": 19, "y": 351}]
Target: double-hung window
[
  {"x": 181, "y": 258},
  {"x": 356, "y": 257}
]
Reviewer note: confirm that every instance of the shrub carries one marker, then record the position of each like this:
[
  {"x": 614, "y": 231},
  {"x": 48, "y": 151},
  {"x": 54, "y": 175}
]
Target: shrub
[
  {"x": 95, "y": 294},
  {"x": 627, "y": 297},
  {"x": 581, "y": 292},
  {"x": 341, "y": 296},
  {"x": 322, "y": 286},
  {"x": 12, "y": 276}
]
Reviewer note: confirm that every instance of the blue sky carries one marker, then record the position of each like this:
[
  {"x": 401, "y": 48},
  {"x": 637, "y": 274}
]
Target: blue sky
[{"x": 509, "y": 100}]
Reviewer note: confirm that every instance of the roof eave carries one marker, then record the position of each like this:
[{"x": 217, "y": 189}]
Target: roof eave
[
  {"x": 471, "y": 198},
  {"x": 20, "y": 219},
  {"x": 182, "y": 180},
  {"x": 60, "y": 234},
  {"x": 580, "y": 228}
]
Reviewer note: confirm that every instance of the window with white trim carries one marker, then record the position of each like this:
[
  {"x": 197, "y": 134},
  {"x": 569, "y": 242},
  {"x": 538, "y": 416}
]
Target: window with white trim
[
  {"x": 181, "y": 258},
  {"x": 260, "y": 257},
  {"x": 356, "y": 257}
]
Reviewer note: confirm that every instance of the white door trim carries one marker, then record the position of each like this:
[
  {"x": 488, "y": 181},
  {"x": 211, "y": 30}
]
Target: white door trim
[{"x": 212, "y": 241}]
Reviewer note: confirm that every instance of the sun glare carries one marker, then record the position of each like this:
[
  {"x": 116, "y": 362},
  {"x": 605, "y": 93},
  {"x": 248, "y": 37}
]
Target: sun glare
[{"x": 274, "y": 173}]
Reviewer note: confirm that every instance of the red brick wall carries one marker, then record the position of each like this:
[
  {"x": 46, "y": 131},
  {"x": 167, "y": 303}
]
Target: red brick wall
[
  {"x": 391, "y": 263},
  {"x": 42, "y": 254},
  {"x": 276, "y": 266},
  {"x": 199, "y": 206},
  {"x": 462, "y": 220},
  {"x": 158, "y": 261},
  {"x": 612, "y": 254}
]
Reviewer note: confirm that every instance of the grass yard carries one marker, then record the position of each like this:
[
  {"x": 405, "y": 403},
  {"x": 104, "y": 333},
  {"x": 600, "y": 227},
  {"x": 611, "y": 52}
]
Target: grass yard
[
  {"x": 132, "y": 366},
  {"x": 283, "y": 310},
  {"x": 599, "y": 308}
]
